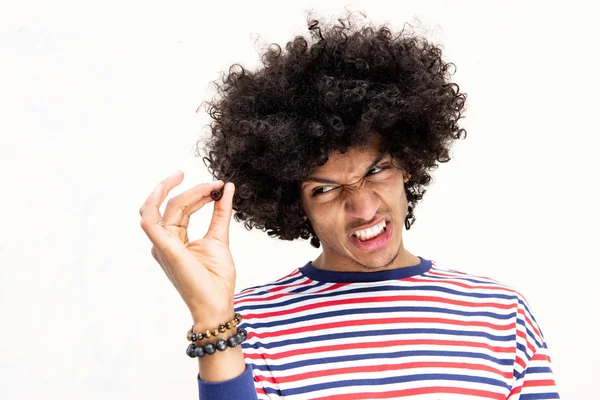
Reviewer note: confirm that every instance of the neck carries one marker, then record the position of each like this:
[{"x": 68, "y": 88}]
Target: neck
[{"x": 403, "y": 259}]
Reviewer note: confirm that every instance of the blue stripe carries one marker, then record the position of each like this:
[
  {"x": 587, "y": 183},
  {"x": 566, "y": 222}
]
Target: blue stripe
[
  {"x": 539, "y": 370},
  {"x": 539, "y": 396},
  {"x": 373, "y": 356},
  {"x": 307, "y": 287},
  {"x": 386, "y": 381}
]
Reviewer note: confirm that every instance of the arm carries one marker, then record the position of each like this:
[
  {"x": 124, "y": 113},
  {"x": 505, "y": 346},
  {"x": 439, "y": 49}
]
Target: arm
[
  {"x": 203, "y": 272},
  {"x": 533, "y": 374},
  {"x": 536, "y": 381},
  {"x": 224, "y": 375},
  {"x": 239, "y": 388}
]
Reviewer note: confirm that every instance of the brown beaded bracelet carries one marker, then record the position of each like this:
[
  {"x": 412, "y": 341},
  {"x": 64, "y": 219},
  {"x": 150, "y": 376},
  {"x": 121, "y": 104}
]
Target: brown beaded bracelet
[{"x": 192, "y": 337}]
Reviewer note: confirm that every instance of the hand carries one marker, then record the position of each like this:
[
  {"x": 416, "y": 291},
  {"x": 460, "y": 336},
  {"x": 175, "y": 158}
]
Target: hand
[{"x": 202, "y": 271}]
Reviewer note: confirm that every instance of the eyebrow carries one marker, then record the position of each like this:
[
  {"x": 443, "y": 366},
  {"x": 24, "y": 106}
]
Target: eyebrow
[{"x": 380, "y": 157}]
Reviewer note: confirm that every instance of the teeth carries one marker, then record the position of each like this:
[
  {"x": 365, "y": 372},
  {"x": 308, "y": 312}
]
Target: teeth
[{"x": 369, "y": 233}]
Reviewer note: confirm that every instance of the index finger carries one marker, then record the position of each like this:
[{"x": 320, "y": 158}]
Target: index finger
[
  {"x": 150, "y": 210},
  {"x": 181, "y": 207}
]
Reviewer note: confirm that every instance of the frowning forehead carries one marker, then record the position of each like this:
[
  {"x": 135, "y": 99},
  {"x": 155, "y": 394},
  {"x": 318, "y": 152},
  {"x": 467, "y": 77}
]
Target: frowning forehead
[{"x": 348, "y": 167}]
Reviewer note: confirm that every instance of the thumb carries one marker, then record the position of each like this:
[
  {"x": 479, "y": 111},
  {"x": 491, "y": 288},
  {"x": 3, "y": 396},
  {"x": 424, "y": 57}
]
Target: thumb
[{"x": 223, "y": 208}]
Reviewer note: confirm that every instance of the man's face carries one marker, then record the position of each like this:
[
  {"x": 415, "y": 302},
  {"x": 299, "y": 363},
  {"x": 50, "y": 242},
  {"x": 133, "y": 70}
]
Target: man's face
[{"x": 360, "y": 189}]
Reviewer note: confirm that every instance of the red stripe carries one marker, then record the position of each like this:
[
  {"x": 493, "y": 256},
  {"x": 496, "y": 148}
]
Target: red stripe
[
  {"x": 515, "y": 391},
  {"x": 375, "y": 322},
  {"x": 294, "y": 272},
  {"x": 380, "y": 368},
  {"x": 378, "y": 344},
  {"x": 412, "y": 392},
  {"x": 332, "y": 287},
  {"x": 541, "y": 357},
  {"x": 540, "y": 382},
  {"x": 378, "y": 299}
]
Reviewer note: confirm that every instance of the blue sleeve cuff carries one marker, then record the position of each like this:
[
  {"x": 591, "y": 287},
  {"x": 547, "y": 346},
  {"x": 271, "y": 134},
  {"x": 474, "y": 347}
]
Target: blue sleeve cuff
[{"x": 239, "y": 388}]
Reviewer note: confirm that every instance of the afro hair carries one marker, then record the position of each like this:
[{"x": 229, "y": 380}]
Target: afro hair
[{"x": 333, "y": 90}]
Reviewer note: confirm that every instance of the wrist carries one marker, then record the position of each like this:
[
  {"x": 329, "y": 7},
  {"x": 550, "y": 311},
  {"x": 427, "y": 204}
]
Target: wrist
[
  {"x": 212, "y": 319},
  {"x": 216, "y": 326}
]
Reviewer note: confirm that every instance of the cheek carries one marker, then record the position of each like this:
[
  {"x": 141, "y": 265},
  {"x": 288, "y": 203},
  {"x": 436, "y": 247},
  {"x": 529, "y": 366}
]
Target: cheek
[{"x": 327, "y": 223}]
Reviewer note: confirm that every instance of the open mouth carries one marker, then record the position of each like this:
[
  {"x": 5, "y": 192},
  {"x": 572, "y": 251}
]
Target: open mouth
[
  {"x": 374, "y": 237},
  {"x": 371, "y": 233}
]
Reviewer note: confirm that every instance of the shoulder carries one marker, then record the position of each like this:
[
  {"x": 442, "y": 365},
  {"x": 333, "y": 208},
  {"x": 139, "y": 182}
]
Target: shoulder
[
  {"x": 471, "y": 283},
  {"x": 484, "y": 287},
  {"x": 272, "y": 289}
]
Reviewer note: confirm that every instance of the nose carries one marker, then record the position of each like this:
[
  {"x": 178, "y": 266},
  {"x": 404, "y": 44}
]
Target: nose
[{"x": 362, "y": 203}]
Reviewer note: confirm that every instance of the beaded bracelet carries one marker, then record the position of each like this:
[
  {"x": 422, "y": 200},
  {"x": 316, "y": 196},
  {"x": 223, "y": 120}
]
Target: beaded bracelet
[
  {"x": 192, "y": 337},
  {"x": 194, "y": 351}
]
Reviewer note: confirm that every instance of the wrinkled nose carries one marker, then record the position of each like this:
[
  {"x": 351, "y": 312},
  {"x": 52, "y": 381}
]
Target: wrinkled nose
[{"x": 362, "y": 203}]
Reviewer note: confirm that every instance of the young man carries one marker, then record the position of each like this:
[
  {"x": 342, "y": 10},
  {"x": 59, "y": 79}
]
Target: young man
[{"x": 332, "y": 142}]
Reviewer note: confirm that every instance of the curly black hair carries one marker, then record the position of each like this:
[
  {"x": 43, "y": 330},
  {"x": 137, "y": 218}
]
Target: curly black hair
[{"x": 329, "y": 92}]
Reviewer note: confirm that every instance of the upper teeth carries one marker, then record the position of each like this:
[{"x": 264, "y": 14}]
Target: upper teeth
[{"x": 370, "y": 232}]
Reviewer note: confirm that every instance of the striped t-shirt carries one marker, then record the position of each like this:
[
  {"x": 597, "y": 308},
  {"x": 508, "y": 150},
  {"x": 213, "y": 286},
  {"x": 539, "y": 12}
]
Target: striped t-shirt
[{"x": 419, "y": 332}]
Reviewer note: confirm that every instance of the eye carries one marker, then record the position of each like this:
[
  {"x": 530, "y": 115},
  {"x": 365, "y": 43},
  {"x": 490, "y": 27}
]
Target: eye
[
  {"x": 377, "y": 170},
  {"x": 320, "y": 190}
]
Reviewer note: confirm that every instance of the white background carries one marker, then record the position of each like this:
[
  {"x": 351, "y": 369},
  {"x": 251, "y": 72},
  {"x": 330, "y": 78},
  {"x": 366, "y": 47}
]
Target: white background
[{"x": 97, "y": 105}]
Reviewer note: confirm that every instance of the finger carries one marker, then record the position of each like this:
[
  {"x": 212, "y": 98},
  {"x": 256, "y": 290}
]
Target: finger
[
  {"x": 180, "y": 229},
  {"x": 150, "y": 210},
  {"x": 193, "y": 208},
  {"x": 221, "y": 218},
  {"x": 181, "y": 207}
]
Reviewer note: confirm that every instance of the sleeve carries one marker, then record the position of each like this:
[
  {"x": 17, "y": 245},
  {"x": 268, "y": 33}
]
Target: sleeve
[
  {"x": 239, "y": 388},
  {"x": 537, "y": 380},
  {"x": 533, "y": 373}
]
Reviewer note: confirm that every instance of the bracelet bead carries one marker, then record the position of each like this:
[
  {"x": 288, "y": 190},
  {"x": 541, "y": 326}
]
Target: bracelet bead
[
  {"x": 232, "y": 342},
  {"x": 238, "y": 338},
  {"x": 221, "y": 345},
  {"x": 190, "y": 350},
  {"x": 235, "y": 321},
  {"x": 198, "y": 352},
  {"x": 210, "y": 349}
]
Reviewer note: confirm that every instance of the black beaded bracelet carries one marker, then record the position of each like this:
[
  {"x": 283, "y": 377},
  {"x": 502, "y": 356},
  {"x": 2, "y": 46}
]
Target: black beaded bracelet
[{"x": 194, "y": 351}]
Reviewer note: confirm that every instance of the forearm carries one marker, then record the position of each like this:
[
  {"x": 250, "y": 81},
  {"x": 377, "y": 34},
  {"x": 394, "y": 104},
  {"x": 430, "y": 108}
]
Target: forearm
[
  {"x": 226, "y": 377},
  {"x": 222, "y": 366}
]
